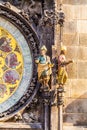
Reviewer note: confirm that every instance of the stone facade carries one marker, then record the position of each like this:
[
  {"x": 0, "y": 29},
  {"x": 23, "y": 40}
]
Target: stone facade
[{"x": 75, "y": 38}]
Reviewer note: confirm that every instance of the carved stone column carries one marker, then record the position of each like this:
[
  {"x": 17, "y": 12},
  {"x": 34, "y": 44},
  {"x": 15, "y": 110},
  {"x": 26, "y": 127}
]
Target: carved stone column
[
  {"x": 46, "y": 96},
  {"x": 46, "y": 27},
  {"x": 60, "y": 92},
  {"x": 56, "y": 111}
]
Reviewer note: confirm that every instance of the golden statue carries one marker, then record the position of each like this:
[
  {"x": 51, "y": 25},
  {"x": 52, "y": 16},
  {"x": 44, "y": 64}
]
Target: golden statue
[
  {"x": 44, "y": 67},
  {"x": 62, "y": 73}
]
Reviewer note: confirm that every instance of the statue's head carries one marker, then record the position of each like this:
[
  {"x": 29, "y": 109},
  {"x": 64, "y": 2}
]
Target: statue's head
[
  {"x": 43, "y": 50},
  {"x": 63, "y": 49}
]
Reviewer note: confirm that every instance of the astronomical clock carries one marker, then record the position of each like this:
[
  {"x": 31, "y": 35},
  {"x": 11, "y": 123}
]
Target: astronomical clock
[{"x": 18, "y": 49}]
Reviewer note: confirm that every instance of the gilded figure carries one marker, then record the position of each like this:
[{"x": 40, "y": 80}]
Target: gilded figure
[
  {"x": 62, "y": 63},
  {"x": 44, "y": 68}
]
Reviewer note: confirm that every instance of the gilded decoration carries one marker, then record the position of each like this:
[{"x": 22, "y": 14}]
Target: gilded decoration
[
  {"x": 11, "y": 65},
  {"x": 18, "y": 49}
]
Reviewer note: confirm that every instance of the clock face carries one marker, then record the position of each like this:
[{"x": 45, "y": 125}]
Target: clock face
[
  {"x": 18, "y": 48},
  {"x": 11, "y": 64},
  {"x": 15, "y": 65}
]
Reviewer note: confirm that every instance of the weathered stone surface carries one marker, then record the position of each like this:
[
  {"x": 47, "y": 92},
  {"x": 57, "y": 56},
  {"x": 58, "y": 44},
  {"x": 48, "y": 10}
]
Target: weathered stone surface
[
  {"x": 72, "y": 52},
  {"x": 69, "y": 12},
  {"x": 83, "y": 39},
  {"x": 75, "y": 119},
  {"x": 70, "y": 27},
  {"x": 57, "y": 40},
  {"x": 75, "y": 2},
  {"x": 67, "y": 89},
  {"x": 72, "y": 70},
  {"x": 82, "y": 26},
  {"x": 78, "y": 88},
  {"x": 75, "y": 12},
  {"x": 18, "y": 129},
  {"x": 75, "y": 105},
  {"x": 80, "y": 12},
  {"x": 75, "y": 38},
  {"x": 71, "y": 39},
  {"x": 20, "y": 126},
  {"x": 54, "y": 120},
  {"x": 82, "y": 70},
  {"x": 57, "y": 35},
  {"x": 74, "y": 128},
  {"x": 82, "y": 53}
]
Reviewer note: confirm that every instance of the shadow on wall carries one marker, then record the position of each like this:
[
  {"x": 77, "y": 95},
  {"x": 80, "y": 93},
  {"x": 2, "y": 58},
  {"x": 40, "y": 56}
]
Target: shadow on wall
[{"x": 76, "y": 112}]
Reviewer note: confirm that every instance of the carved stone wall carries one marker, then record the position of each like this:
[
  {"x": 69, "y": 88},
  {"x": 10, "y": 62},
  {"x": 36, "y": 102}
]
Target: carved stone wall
[
  {"x": 32, "y": 11},
  {"x": 75, "y": 38}
]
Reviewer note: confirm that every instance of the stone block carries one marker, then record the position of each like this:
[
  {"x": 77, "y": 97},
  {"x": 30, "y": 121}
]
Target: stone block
[
  {"x": 75, "y": 105},
  {"x": 72, "y": 70},
  {"x": 82, "y": 70},
  {"x": 74, "y": 128},
  {"x": 75, "y": 2},
  {"x": 82, "y": 53},
  {"x": 76, "y": 88},
  {"x": 71, "y": 39},
  {"x": 83, "y": 39},
  {"x": 70, "y": 27},
  {"x": 73, "y": 12},
  {"x": 75, "y": 119},
  {"x": 69, "y": 12},
  {"x": 80, "y": 12},
  {"x": 72, "y": 52},
  {"x": 82, "y": 26}
]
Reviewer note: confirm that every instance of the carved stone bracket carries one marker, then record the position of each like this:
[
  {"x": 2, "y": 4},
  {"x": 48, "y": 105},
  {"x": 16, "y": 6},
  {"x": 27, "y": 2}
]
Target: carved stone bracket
[
  {"x": 46, "y": 100},
  {"x": 60, "y": 95}
]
